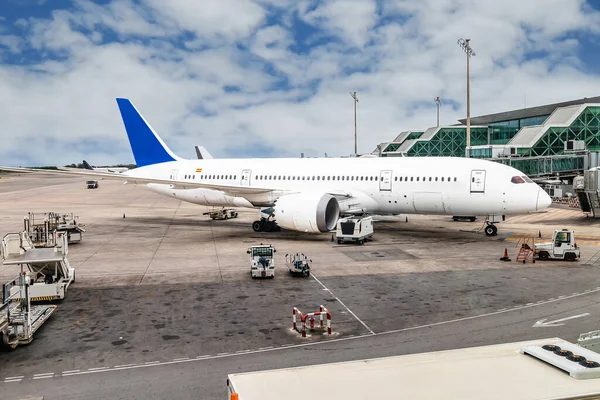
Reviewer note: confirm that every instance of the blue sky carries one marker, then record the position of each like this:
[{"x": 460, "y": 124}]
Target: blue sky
[{"x": 271, "y": 78}]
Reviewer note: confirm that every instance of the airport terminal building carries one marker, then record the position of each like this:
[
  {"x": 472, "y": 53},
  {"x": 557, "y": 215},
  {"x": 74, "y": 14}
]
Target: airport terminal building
[{"x": 554, "y": 140}]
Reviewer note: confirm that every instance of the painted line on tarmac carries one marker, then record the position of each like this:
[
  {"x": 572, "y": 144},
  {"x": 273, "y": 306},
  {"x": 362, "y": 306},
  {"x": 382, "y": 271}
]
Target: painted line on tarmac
[
  {"x": 300, "y": 345},
  {"x": 343, "y": 305},
  {"x": 529, "y": 305}
]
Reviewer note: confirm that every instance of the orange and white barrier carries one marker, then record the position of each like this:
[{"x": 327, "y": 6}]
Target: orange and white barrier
[{"x": 322, "y": 313}]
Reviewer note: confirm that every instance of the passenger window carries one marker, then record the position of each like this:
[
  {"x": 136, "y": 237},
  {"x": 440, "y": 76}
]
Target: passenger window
[
  {"x": 436, "y": 178},
  {"x": 411, "y": 178},
  {"x": 454, "y": 179},
  {"x": 376, "y": 177},
  {"x": 517, "y": 179},
  {"x": 429, "y": 179},
  {"x": 442, "y": 179},
  {"x": 194, "y": 176},
  {"x": 318, "y": 178},
  {"x": 417, "y": 179},
  {"x": 448, "y": 179},
  {"x": 396, "y": 179}
]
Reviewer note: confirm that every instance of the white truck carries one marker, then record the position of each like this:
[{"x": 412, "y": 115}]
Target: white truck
[
  {"x": 562, "y": 247},
  {"x": 298, "y": 264},
  {"x": 354, "y": 229},
  {"x": 262, "y": 261}
]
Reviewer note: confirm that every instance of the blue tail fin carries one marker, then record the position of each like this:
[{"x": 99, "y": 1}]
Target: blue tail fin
[
  {"x": 148, "y": 148},
  {"x": 86, "y": 165}
]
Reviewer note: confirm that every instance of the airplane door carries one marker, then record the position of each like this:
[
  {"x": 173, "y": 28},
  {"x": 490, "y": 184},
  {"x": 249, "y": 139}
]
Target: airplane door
[
  {"x": 385, "y": 181},
  {"x": 173, "y": 174},
  {"x": 246, "y": 177},
  {"x": 478, "y": 181}
]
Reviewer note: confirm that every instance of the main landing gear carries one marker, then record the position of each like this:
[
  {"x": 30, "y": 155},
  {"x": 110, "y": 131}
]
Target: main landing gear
[
  {"x": 491, "y": 230},
  {"x": 265, "y": 225}
]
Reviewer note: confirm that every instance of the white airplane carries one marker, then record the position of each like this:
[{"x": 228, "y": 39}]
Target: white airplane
[
  {"x": 115, "y": 170},
  {"x": 310, "y": 194}
]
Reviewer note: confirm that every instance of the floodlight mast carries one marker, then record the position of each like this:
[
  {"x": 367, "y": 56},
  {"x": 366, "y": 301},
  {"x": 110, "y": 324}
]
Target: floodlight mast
[
  {"x": 353, "y": 95},
  {"x": 465, "y": 44},
  {"x": 438, "y": 102}
]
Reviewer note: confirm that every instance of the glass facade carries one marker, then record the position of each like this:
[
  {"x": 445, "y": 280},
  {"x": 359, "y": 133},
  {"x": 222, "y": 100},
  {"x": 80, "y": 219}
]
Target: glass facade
[
  {"x": 545, "y": 157},
  {"x": 392, "y": 147},
  {"x": 448, "y": 142},
  {"x": 501, "y": 132},
  {"x": 586, "y": 127},
  {"x": 414, "y": 135},
  {"x": 481, "y": 153}
]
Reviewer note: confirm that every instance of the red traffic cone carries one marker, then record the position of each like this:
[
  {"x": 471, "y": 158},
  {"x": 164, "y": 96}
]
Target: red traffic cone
[{"x": 505, "y": 257}]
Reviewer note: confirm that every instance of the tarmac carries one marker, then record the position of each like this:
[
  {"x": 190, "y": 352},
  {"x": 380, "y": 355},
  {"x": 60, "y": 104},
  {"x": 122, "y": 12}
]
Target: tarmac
[{"x": 164, "y": 297}]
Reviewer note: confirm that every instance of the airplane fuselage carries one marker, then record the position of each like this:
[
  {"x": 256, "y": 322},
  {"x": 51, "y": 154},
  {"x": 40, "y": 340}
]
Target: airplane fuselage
[{"x": 407, "y": 185}]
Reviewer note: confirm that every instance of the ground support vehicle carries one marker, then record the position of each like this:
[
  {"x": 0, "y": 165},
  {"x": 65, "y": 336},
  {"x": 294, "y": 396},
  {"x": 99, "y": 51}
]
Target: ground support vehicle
[
  {"x": 562, "y": 247},
  {"x": 46, "y": 270},
  {"x": 19, "y": 319},
  {"x": 262, "y": 261},
  {"x": 225, "y": 213},
  {"x": 354, "y": 229},
  {"x": 298, "y": 264},
  {"x": 44, "y": 228}
]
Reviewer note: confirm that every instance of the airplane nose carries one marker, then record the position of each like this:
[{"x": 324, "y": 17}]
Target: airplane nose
[{"x": 543, "y": 200}]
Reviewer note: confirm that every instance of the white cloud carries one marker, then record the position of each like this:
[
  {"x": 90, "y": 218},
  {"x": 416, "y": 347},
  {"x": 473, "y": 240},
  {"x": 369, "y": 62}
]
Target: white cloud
[
  {"x": 351, "y": 20},
  {"x": 211, "y": 19},
  {"x": 245, "y": 80}
]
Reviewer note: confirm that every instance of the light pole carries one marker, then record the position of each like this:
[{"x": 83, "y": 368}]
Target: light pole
[
  {"x": 466, "y": 46},
  {"x": 353, "y": 94},
  {"x": 438, "y": 102}
]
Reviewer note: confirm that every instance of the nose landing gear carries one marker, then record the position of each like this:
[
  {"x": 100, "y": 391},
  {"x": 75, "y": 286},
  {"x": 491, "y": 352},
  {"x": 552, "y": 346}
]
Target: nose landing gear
[{"x": 491, "y": 230}]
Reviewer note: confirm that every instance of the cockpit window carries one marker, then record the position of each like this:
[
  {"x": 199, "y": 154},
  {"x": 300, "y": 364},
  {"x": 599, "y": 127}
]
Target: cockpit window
[
  {"x": 517, "y": 179},
  {"x": 527, "y": 179}
]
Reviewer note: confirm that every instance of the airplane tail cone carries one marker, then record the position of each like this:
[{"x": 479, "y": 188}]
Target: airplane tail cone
[{"x": 505, "y": 257}]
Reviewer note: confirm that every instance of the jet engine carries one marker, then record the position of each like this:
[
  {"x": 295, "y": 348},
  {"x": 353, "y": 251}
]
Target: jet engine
[{"x": 307, "y": 212}]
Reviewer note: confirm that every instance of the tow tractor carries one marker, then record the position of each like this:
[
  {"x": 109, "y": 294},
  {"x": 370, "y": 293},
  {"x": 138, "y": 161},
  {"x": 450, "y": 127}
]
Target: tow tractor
[
  {"x": 562, "y": 247},
  {"x": 298, "y": 264},
  {"x": 224, "y": 213},
  {"x": 262, "y": 261}
]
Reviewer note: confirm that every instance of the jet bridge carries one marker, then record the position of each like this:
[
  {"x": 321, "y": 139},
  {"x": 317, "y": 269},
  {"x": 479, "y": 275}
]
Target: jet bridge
[
  {"x": 47, "y": 270},
  {"x": 587, "y": 189}
]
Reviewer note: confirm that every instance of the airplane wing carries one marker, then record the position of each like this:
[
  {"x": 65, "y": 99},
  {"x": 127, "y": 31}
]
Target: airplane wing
[{"x": 138, "y": 180}]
